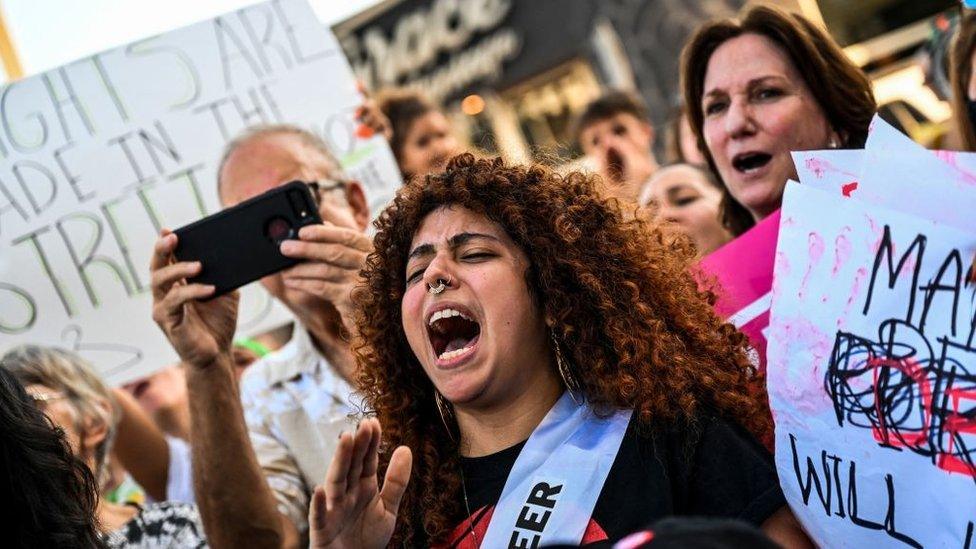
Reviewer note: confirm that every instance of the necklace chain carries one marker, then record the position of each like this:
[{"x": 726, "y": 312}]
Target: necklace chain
[{"x": 467, "y": 507}]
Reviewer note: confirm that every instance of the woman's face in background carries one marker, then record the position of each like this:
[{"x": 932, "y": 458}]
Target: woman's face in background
[
  {"x": 682, "y": 195},
  {"x": 483, "y": 339},
  {"x": 757, "y": 109},
  {"x": 428, "y": 145},
  {"x": 57, "y": 408}
]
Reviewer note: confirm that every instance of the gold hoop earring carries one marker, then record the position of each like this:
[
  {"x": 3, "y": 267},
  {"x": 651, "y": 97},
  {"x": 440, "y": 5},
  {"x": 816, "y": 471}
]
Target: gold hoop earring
[
  {"x": 444, "y": 409},
  {"x": 566, "y": 373}
]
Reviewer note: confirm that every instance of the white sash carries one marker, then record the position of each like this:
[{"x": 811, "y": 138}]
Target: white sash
[{"x": 552, "y": 489}]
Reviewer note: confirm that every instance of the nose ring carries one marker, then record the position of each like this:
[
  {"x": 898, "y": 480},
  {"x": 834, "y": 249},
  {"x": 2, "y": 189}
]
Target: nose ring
[{"x": 441, "y": 286}]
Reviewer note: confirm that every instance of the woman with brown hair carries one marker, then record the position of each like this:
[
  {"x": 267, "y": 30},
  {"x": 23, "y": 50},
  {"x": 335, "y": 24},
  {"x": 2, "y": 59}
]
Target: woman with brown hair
[
  {"x": 760, "y": 87},
  {"x": 544, "y": 371},
  {"x": 419, "y": 133},
  {"x": 961, "y": 60},
  {"x": 688, "y": 197}
]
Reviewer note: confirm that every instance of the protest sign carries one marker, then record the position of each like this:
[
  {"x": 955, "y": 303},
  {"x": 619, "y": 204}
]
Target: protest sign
[
  {"x": 872, "y": 372},
  {"x": 743, "y": 269},
  {"x": 99, "y": 154},
  {"x": 895, "y": 172},
  {"x": 834, "y": 170}
]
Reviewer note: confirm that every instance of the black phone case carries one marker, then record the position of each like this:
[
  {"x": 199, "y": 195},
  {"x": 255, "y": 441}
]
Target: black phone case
[{"x": 240, "y": 244}]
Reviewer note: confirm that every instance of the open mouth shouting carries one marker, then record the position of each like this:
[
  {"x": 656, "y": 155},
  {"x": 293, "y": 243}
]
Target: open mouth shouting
[
  {"x": 615, "y": 165},
  {"x": 453, "y": 333},
  {"x": 751, "y": 162}
]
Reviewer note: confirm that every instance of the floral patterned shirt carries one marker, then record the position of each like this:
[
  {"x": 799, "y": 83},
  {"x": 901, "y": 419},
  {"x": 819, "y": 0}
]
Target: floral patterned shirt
[
  {"x": 160, "y": 526},
  {"x": 296, "y": 405}
]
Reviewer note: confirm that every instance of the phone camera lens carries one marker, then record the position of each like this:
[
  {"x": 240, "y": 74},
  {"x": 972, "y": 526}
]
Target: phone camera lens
[{"x": 278, "y": 229}]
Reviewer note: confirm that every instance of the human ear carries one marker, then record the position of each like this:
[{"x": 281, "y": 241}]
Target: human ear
[
  {"x": 648, "y": 130},
  {"x": 94, "y": 430},
  {"x": 357, "y": 202}
]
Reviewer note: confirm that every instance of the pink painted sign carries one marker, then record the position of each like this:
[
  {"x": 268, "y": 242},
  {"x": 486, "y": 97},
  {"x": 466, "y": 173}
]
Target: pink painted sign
[
  {"x": 872, "y": 370},
  {"x": 743, "y": 269}
]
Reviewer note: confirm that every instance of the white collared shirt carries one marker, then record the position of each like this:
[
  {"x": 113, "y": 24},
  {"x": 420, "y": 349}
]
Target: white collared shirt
[{"x": 296, "y": 405}]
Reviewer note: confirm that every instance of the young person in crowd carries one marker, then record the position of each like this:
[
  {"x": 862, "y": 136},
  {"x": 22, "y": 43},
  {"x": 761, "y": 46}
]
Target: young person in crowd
[
  {"x": 259, "y": 449},
  {"x": 72, "y": 396},
  {"x": 51, "y": 494},
  {"x": 759, "y": 87},
  {"x": 962, "y": 58},
  {"x": 157, "y": 464},
  {"x": 419, "y": 133},
  {"x": 615, "y": 132},
  {"x": 163, "y": 395},
  {"x": 529, "y": 350},
  {"x": 689, "y": 197}
]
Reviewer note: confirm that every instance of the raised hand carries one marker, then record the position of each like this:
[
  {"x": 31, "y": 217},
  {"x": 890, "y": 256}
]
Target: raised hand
[
  {"x": 372, "y": 118},
  {"x": 199, "y": 331},
  {"x": 349, "y": 510}
]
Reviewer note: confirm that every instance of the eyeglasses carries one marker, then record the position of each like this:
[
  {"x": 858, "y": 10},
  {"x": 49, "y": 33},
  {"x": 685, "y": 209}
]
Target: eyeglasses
[
  {"x": 41, "y": 400},
  {"x": 322, "y": 187}
]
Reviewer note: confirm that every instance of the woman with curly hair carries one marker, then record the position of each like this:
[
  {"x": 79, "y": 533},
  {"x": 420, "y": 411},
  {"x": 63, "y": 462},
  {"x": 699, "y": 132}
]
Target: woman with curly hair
[
  {"x": 51, "y": 495},
  {"x": 544, "y": 371}
]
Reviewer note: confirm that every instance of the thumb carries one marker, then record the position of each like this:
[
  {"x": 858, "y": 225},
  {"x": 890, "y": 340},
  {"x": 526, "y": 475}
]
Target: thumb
[{"x": 397, "y": 477}]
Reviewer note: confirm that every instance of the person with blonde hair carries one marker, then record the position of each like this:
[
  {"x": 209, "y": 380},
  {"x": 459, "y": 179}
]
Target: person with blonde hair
[
  {"x": 688, "y": 197},
  {"x": 50, "y": 493},
  {"x": 65, "y": 387}
]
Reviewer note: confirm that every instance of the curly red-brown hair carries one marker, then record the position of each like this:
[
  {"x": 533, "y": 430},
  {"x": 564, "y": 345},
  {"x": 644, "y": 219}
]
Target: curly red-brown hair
[{"x": 636, "y": 328}]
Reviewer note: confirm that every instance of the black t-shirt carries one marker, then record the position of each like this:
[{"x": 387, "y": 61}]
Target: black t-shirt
[{"x": 712, "y": 469}]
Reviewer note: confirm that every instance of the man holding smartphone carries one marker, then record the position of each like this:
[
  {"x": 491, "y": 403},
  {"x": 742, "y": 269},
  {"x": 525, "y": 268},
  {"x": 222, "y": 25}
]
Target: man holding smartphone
[{"x": 260, "y": 448}]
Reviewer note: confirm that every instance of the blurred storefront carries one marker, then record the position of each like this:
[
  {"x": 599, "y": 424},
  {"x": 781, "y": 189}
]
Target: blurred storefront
[
  {"x": 513, "y": 74},
  {"x": 903, "y": 47}
]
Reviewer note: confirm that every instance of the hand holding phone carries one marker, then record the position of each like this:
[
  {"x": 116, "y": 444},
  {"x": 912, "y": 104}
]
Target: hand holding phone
[
  {"x": 241, "y": 244},
  {"x": 199, "y": 331},
  {"x": 332, "y": 257}
]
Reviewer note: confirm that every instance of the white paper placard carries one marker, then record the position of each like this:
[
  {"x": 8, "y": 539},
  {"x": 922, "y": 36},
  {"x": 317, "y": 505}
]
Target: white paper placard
[
  {"x": 872, "y": 373},
  {"x": 98, "y": 154}
]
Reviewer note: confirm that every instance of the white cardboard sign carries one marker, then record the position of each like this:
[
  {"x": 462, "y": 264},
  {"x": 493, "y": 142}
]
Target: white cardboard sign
[
  {"x": 872, "y": 373},
  {"x": 99, "y": 154}
]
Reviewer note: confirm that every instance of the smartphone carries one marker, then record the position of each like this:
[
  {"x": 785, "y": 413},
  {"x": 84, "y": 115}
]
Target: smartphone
[{"x": 241, "y": 244}]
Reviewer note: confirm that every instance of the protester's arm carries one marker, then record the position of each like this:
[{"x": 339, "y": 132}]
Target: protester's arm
[
  {"x": 141, "y": 447},
  {"x": 783, "y": 528},
  {"x": 236, "y": 504},
  {"x": 733, "y": 476}
]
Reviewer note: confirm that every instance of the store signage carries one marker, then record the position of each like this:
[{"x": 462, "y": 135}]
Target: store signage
[{"x": 440, "y": 49}]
